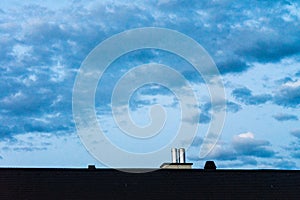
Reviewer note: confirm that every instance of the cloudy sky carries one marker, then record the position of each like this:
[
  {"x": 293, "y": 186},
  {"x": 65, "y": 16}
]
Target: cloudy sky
[{"x": 255, "y": 45}]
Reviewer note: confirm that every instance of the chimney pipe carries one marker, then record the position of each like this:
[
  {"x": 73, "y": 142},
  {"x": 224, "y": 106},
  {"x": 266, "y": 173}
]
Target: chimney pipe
[
  {"x": 174, "y": 155},
  {"x": 181, "y": 155}
]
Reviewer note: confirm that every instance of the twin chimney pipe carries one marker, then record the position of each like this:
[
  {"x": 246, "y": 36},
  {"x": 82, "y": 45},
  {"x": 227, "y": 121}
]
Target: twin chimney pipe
[
  {"x": 174, "y": 155},
  {"x": 178, "y": 155}
]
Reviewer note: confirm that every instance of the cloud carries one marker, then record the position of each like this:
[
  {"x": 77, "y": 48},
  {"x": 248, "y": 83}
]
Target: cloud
[
  {"x": 205, "y": 115},
  {"x": 222, "y": 154},
  {"x": 294, "y": 147},
  {"x": 267, "y": 42},
  {"x": 29, "y": 149},
  {"x": 296, "y": 133},
  {"x": 272, "y": 49},
  {"x": 246, "y": 135},
  {"x": 247, "y": 160},
  {"x": 46, "y": 127},
  {"x": 296, "y": 154},
  {"x": 288, "y": 95},
  {"x": 54, "y": 124},
  {"x": 232, "y": 66},
  {"x": 29, "y": 142},
  {"x": 233, "y": 107},
  {"x": 284, "y": 80},
  {"x": 230, "y": 106},
  {"x": 191, "y": 75},
  {"x": 285, "y": 117},
  {"x": 7, "y": 132},
  {"x": 204, "y": 118},
  {"x": 221, "y": 151},
  {"x": 197, "y": 141},
  {"x": 284, "y": 164},
  {"x": 245, "y": 95},
  {"x": 243, "y": 148},
  {"x": 245, "y": 144}
]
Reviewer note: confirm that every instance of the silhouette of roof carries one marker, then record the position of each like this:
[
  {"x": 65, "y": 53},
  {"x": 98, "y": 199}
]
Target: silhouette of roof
[{"x": 92, "y": 183}]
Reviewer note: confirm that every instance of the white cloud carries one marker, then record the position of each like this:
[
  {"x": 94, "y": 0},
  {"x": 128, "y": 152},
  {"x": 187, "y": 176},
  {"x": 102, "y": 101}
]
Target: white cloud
[
  {"x": 13, "y": 98},
  {"x": 293, "y": 12},
  {"x": 246, "y": 135},
  {"x": 21, "y": 51},
  {"x": 295, "y": 84},
  {"x": 30, "y": 79},
  {"x": 58, "y": 73}
]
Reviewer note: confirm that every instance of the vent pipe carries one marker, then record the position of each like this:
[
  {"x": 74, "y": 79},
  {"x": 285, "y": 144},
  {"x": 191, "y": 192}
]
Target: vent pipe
[
  {"x": 181, "y": 155},
  {"x": 174, "y": 155}
]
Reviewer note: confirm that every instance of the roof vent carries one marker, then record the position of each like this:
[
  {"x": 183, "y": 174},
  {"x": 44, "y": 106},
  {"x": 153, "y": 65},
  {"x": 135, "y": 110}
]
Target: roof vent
[
  {"x": 178, "y": 160},
  {"x": 210, "y": 165},
  {"x": 181, "y": 153},
  {"x": 91, "y": 167},
  {"x": 174, "y": 155}
]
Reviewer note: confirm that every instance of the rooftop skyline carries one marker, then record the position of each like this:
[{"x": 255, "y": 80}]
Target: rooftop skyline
[{"x": 254, "y": 44}]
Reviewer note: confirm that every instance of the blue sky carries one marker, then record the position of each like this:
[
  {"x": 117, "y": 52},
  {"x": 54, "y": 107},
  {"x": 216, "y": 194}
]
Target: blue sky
[{"x": 255, "y": 45}]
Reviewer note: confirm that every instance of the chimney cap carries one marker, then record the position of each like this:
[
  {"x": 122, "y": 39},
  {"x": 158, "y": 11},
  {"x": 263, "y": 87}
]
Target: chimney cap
[
  {"x": 210, "y": 165},
  {"x": 91, "y": 167}
]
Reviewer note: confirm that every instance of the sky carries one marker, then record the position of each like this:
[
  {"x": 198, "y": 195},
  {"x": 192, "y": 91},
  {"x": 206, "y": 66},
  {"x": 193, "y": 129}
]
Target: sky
[{"x": 255, "y": 46}]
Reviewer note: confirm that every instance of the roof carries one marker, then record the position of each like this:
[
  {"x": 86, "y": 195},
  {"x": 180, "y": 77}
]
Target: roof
[{"x": 50, "y": 183}]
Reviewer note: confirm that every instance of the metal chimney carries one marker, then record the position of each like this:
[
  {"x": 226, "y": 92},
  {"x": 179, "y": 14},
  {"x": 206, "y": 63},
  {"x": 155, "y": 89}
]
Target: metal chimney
[
  {"x": 181, "y": 155},
  {"x": 174, "y": 155}
]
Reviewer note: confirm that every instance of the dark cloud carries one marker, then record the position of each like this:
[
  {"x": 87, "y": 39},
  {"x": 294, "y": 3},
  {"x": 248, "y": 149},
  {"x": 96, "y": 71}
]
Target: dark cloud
[
  {"x": 245, "y": 95},
  {"x": 232, "y": 66},
  {"x": 155, "y": 89},
  {"x": 192, "y": 75},
  {"x": 288, "y": 95},
  {"x": 205, "y": 115},
  {"x": 297, "y": 74},
  {"x": 197, "y": 141},
  {"x": 233, "y": 107},
  {"x": 243, "y": 148},
  {"x": 296, "y": 133},
  {"x": 230, "y": 106},
  {"x": 55, "y": 124},
  {"x": 252, "y": 147},
  {"x": 29, "y": 149},
  {"x": 46, "y": 127},
  {"x": 296, "y": 154},
  {"x": 204, "y": 118},
  {"x": 294, "y": 146},
  {"x": 272, "y": 50},
  {"x": 266, "y": 40},
  {"x": 285, "y": 117},
  {"x": 7, "y": 132},
  {"x": 284, "y": 80},
  {"x": 248, "y": 160},
  {"x": 222, "y": 154},
  {"x": 285, "y": 164}
]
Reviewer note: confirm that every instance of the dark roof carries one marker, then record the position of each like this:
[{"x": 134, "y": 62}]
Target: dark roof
[{"x": 21, "y": 183}]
